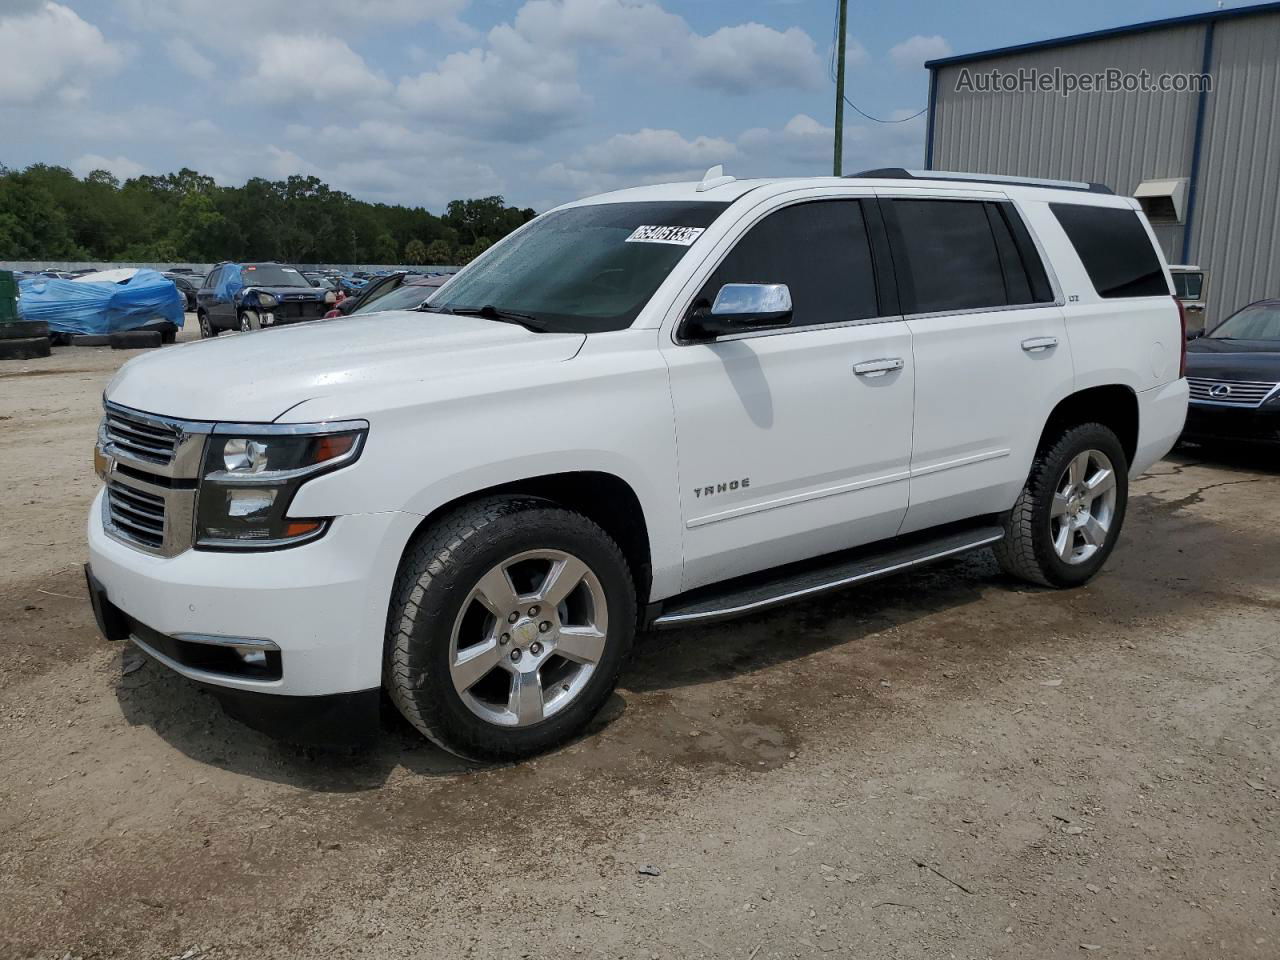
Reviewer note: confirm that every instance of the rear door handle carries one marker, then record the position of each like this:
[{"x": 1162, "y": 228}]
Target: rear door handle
[
  {"x": 878, "y": 368},
  {"x": 1036, "y": 344}
]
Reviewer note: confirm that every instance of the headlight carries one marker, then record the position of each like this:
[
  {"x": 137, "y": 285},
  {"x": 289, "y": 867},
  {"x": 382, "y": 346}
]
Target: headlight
[
  {"x": 250, "y": 476},
  {"x": 267, "y": 300}
]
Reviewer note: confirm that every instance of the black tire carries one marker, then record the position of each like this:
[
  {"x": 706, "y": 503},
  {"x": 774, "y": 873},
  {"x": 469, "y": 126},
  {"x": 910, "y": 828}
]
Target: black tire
[
  {"x": 248, "y": 322},
  {"x": 437, "y": 574},
  {"x": 29, "y": 348},
  {"x": 23, "y": 329},
  {"x": 135, "y": 339},
  {"x": 207, "y": 329},
  {"x": 1027, "y": 550}
]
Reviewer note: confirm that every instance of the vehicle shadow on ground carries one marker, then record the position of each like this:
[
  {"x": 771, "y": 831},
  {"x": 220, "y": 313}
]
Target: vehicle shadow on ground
[
  {"x": 1236, "y": 457},
  {"x": 191, "y": 721},
  {"x": 1167, "y": 547}
]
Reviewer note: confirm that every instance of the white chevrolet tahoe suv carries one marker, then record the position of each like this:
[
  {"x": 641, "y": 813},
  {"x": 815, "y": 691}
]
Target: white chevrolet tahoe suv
[{"x": 653, "y": 408}]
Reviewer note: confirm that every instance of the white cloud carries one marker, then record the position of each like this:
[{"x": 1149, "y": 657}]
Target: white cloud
[
  {"x": 48, "y": 50},
  {"x": 310, "y": 67},
  {"x": 188, "y": 59},
  {"x": 753, "y": 57},
  {"x": 911, "y": 53},
  {"x": 523, "y": 82},
  {"x": 803, "y": 141},
  {"x": 122, "y": 167},
  {"x": 855, "y": 54},
  {"x": 650, "y": 152}
]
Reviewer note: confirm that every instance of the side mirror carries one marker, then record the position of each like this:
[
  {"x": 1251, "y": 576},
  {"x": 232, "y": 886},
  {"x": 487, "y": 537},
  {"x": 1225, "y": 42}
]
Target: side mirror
[
  {"x": 740, "y": 307},
  {"x": 1194, "y": 334}
]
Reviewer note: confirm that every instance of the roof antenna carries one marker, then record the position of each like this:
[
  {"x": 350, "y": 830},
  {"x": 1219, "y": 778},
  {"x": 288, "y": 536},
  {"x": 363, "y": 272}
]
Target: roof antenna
[{"x": 713, "y": 178}]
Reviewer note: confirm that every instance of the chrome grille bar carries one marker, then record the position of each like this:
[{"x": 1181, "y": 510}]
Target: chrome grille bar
[{"x": 1231, "y": 393}]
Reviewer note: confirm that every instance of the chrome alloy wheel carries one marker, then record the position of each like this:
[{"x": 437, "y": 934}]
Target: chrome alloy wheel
[
  {"x": 528, "y": 638},
  {"x": 1084, "y": 505}
]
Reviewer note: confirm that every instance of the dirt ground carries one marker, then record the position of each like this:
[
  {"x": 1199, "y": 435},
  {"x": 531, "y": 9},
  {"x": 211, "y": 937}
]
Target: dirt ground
[{"x": 944, "y": 764}]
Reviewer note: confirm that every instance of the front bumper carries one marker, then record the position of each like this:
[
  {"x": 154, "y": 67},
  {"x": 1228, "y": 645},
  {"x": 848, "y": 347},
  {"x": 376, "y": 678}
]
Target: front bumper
[
  {"x": 322, "y": 605},
  {"x": 1207, "y": 422}
]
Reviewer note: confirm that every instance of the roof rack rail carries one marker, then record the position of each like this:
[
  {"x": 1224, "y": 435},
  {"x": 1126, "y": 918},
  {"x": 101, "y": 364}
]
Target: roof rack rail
[{"x": 901, "y": 173}]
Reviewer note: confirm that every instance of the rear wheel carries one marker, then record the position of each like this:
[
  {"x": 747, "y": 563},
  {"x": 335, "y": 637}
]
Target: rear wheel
[
  {"x": 1068, "y": 516},
  {"x": 510, "y": 621}
]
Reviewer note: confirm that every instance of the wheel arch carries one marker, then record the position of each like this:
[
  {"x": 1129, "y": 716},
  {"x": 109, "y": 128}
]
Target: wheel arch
[
  {"x": 604, "y": 498},
  {"x": 1115, "y": 406}
]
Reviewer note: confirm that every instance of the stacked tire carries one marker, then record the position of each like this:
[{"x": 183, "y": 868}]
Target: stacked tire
[{"x": 19, "y": 339}]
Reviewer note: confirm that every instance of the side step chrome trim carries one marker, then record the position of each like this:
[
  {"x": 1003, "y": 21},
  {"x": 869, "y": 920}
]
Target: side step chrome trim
[{"x": 739, "y": 602}]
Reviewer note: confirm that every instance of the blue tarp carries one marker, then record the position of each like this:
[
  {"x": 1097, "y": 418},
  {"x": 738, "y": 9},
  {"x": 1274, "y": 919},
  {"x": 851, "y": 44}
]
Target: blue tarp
[
  {"x": 71, "y": 306},
  {"x": 229, "y": 283}
]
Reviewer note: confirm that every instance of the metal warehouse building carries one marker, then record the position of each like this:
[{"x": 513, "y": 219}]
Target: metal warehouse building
[{"x": 1205, "y": 164}]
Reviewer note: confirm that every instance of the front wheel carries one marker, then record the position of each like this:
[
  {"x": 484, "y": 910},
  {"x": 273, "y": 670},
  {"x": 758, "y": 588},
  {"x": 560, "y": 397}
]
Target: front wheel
[
  {"x": 509, "y": 623},
  {"x": 1067, "y": 518},
  {"x": 207, "y": 329},
  {"x": 248, "y": 322}
]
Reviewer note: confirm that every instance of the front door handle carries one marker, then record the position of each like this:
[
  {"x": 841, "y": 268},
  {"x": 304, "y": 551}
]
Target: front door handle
[
  {"x": 878, "y": 368},
  {"x": 1037, "y": 344}
]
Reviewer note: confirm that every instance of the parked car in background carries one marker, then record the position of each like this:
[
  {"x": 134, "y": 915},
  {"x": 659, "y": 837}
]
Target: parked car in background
[
  {"x": 254, "y": 295},
  {"x": 377, "y": 289},
  {"x": 188, "y": 285},
  {"x": 665, "y": 406},
  {"x": 1234, "y": 374},
  {"x": 1189, "y": 288},
  {"x": 410, "y": 295}
]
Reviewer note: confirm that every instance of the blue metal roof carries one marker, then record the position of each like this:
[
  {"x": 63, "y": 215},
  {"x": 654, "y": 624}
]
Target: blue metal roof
[{"x": 1206, "y": 17}]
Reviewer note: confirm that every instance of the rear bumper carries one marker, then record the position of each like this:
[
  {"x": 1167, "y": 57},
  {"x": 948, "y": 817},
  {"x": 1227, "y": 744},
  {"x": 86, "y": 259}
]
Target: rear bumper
[
  {"x": 1208, "y": 423},
  {"x": 1162, "y": 411}
]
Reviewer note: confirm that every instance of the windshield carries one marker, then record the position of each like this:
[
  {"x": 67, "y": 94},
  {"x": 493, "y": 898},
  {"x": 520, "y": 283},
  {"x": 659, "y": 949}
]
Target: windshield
[
  {"x": 410, "y": 296},
  {"x": 272, "y": 275},
  {"x": 583, "y": 270},
  {"x": 1261, "y": 321}
]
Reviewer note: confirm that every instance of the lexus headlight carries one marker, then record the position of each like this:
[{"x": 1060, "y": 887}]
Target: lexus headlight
[
  {"x": 250, "y": 476},
  {"x": 267, "y": 300}
]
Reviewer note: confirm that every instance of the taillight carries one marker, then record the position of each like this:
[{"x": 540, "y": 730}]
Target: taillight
[{"x": 1182, "y": 322}]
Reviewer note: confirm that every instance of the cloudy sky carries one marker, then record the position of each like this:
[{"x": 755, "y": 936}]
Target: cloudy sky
[{"x": 422, "y": 101}]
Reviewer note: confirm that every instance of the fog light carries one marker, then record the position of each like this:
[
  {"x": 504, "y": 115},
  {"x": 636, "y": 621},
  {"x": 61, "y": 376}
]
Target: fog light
[
  {"x": 252, "y": 658},
  {"x": 249, "y": 503}
]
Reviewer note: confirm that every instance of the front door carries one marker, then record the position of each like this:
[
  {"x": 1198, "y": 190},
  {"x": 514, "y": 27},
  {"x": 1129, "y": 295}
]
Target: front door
[{"x": 794, "y": 442}]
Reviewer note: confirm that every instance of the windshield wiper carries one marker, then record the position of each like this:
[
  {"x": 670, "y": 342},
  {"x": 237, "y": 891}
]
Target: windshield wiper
[{"x": 490, "y": 312}]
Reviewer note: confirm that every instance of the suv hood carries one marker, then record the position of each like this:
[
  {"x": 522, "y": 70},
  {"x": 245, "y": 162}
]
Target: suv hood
[
  {"x": 255, "y": 377},
  {"x": 288, "y": 293}
]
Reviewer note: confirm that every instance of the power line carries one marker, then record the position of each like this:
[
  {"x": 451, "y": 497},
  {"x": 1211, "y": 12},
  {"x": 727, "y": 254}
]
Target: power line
[{"x": 832, "y": 70}]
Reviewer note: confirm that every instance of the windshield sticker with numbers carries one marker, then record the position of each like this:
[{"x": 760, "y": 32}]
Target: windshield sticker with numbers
[{"x": 681, "y": 236}]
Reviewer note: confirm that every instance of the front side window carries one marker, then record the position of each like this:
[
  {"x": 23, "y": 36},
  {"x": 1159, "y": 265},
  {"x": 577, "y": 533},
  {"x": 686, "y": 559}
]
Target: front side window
[
  {"x": 586, "y": 269},
  {"x": 819, "y": 250},
  {"x": 1115, "y": 249},
  {"x": 1258, "y": 321}
]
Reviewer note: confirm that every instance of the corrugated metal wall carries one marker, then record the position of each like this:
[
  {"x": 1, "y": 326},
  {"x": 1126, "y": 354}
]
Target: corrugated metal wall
[
  {"x": 1123, "y": 139},
  {"x": 1118, "y": 139},
  {"x": 1236, "y": 227}
]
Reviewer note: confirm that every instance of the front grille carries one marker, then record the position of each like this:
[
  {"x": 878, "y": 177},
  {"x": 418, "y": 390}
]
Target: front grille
[
  {"x": 151, "y": 440},
  {"x": 1233, "y": 393},
  {"x": 299, "y": 309},
  {"x": 136, "y": 515}
]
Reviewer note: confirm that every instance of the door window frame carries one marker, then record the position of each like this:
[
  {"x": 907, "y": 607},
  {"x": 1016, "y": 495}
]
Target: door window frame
[
  {"x": 881, "y": 258},
  {"x": 1014, "y": 209}
]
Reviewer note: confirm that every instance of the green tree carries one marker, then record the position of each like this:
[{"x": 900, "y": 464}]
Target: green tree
[
  {"x": 415, "y": 252},
  {"x": 385, "y": 250},
  {"x": 439, "y": 254}
]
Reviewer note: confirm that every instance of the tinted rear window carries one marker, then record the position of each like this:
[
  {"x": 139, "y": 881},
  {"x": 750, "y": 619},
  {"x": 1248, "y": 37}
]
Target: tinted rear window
[
  {"x": 946, "y": 256},
  {"x": 1114, "y": 247}
]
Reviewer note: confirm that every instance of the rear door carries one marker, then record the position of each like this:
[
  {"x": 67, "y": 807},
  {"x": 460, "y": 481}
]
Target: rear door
[
  {"x": 990, "y": 348},
  {"x": 795, "y": 442}
]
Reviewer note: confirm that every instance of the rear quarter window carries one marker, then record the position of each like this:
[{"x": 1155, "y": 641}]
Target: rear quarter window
[{"x": 1115, "y": 249}]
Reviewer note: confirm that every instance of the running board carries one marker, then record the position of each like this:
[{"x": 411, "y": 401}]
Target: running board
[{"x": 758, "y": 592}]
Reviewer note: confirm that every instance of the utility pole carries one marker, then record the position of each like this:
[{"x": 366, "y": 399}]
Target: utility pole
[{"x": 838, "y": 163}]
